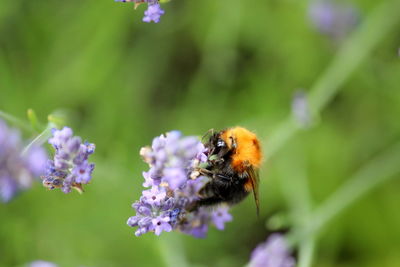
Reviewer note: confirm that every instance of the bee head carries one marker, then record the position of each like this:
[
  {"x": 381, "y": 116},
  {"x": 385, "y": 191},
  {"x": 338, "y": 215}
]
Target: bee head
[{"x": 218, "y": 145}]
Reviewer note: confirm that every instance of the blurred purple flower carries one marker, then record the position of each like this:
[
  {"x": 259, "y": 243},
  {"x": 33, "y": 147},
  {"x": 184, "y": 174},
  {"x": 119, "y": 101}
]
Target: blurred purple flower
[
  {"x": 300, "y": 109},
  {"x": 41, "y": 263},
  {"x": 333, "y": 18},
  {"x": 70, "y": 167},
  {"x": 220, "y": 217},
  {"x": 8, "y": 188},
  {"x": 197, "y": 223},
  {"x": 148, "y": 181},
  {"x": 175, "y": 183},
  {"x": 272, "y": 253},
  {"x": 17, "y": 171},
  {"x": 36, "y": 160}
]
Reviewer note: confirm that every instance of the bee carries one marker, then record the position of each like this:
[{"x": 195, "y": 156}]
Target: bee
[{"x": 234, "y": 159}]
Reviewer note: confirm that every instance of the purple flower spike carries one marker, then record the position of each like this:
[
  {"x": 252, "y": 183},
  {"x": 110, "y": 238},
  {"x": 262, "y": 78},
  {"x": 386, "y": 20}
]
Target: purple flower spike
[
  {"x": 17, "y": 171},
  {"x": 153, "y": 13},
  {"x": 272, "y": 253},
  {"x": 70, "y": 167},
  {"x": 175, "y": 184}
]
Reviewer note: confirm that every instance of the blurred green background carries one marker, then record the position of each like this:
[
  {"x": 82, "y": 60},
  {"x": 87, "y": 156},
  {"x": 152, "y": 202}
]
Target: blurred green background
[{"x": 207, "y": 64}]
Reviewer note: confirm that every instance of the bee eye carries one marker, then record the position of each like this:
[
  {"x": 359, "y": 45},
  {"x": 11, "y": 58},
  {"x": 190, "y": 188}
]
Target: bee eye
[{"x": 220, "y": 143}]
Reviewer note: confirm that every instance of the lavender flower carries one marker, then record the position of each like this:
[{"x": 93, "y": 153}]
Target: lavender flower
[
  {"x": 17, "y": 171},
  {"x": 70, "y": 167},
  {"x": 272, "y": 253},
  {"x": 175, "y": 183},
  {"x": 300, "y": 109},
  {"x": 170, "y": 158},
  {"x": 41, "y": 263},
  {"x": 219, "y": 217},
  {"x": 153, "y": 12},
  {"x": 332, "y": 18}
]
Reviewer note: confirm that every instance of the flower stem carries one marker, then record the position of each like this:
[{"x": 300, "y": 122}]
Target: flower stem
[
  {"x": 378, "y": 171},
  {"x": 40, "y": 139},
  {"x": 306, "y": 252},
  {"x": 171, "y": 249},
  {"x": 294, "y": 185},
  {"x": 20, "y": 123}
]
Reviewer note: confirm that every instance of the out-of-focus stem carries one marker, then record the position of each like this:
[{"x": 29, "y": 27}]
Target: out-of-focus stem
[
  {"x": 294, "y": 184},
  {"x": 20, "y": 123},
  {"x": 171, "y": 249},
  {"x": 355, "y": 49},
  {"x": 378, "y": 171},
  {"x": 40, "y": 139},
  {"x": 306, "y": 252}
]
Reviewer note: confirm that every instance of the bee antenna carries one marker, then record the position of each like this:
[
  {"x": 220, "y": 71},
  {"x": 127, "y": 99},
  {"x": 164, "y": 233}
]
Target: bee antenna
[{"x": 209, "y": 132}]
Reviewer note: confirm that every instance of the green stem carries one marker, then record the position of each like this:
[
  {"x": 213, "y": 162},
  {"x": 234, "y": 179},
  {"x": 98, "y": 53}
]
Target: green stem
[
  {"x": 40, "y": 139},
  {"x": 377, "y": 172},
  {"x": 306, "y": 252},
  {"x": 357, "y": 48},
  {"x": 20, "y": 123},
  {"x": 294, "y": 184},
  {"x": 172, "y": 250},
  {"x": 360, "y": 44}
]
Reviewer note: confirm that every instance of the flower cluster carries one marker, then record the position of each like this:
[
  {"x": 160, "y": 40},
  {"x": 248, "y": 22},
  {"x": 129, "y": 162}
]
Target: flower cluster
[
  {"x": 70, "y": 167},
  {"x": 272, "y": 253},
  {"x": 153, "y": 12},
  {"x": 175, "y": 183},
  {"x": 17, "y": 170},
  {"x": 332, "y": 18}
]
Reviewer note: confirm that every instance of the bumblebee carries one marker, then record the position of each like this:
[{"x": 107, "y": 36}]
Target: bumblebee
[{"x": 234, "y": 158}]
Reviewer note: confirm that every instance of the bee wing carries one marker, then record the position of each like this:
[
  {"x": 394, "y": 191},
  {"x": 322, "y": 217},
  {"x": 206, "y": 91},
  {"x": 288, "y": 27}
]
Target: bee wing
[{"x": 254, "y": 181}]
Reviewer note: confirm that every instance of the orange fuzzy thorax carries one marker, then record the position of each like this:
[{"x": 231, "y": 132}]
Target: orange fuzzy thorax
[{"x": 247, "y": 152}]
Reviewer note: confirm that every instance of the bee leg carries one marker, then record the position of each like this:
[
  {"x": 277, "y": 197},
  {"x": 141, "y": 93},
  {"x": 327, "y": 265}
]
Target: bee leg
[
  {"x": 217, "y": 161},
  {"x": 205, "y": 172},
  {"x": 213, "y": 175},
  {"x": 209, "y": 201},
  {"x": 222, "y": 178}
]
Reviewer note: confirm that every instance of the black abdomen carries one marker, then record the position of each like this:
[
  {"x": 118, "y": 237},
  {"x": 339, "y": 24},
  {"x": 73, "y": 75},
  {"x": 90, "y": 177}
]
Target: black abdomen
[{"x": 224, "y": 187}]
